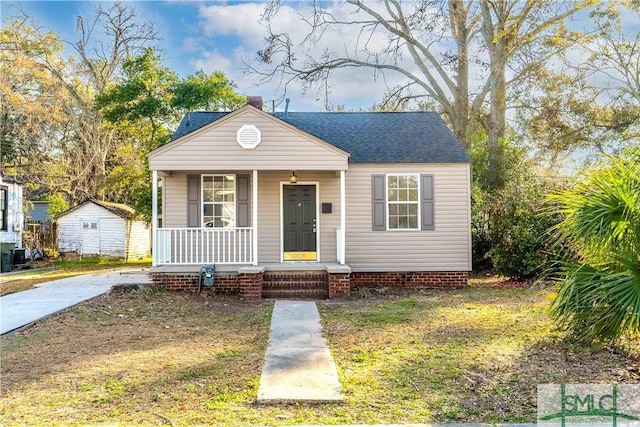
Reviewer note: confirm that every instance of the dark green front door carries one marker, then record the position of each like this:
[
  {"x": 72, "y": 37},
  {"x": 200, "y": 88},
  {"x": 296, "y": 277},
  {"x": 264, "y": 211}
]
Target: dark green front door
[{"x": 299, "y": 222}]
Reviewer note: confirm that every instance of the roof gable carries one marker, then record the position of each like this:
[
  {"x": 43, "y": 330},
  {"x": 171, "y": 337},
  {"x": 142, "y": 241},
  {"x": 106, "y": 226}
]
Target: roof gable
[
  {"x": 211, "y": 138},
  {"x": 370, "y": 137}
]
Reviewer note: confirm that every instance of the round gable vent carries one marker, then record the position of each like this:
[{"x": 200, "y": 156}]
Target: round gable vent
[{"x": 248, "y": 136}]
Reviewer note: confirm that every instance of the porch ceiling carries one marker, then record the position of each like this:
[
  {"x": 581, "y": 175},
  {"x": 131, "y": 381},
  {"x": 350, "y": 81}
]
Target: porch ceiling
[
  {"x": 214, "y": 168},
  {"x": 203, "y": 164}
]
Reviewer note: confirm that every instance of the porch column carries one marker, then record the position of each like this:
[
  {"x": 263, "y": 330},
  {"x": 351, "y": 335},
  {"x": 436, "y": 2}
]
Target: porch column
[
  {"x": 343, "y": 217},
  {"x": 154, "y": 218},
  {"x": 254, "y": 221}
]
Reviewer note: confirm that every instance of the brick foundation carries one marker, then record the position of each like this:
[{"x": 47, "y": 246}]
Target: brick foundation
[
  {"x": 241, "y": 284},
  {"x": 429, "y": 279},
  {"x": 250, "y": 285}
]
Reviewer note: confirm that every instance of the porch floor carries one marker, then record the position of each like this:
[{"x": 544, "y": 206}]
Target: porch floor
[{"x": 331, "y": 267}]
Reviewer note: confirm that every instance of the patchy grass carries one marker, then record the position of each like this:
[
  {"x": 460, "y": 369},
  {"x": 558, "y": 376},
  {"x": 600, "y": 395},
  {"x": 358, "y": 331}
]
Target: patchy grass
[
  {"x": 474, "y": 355},
  {"x": 142, "y": 358},
  {"x": 471, "y": 355},
  {"x": 47, "y": 271}
]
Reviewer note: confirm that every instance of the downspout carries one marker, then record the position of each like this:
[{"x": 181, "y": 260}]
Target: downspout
[
  {"x": 343, "y": 218},
  {"x": 254, "y": 221},
  {"x": 154, "y": 218}
]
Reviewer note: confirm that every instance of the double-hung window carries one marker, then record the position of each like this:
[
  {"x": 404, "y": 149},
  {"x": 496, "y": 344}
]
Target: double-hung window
[
  {"x": 403, "y": 203},
  {"x": 3, "y": 208},
  {"x": 219, "y": 201}
]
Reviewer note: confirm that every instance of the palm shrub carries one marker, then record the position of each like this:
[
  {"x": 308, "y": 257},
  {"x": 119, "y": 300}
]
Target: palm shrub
[{"x": 599, "y": 294}]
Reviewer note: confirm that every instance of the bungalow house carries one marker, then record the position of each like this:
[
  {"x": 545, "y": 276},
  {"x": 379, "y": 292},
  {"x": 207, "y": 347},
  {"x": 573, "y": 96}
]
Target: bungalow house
[{"x": 312, "y": 202}]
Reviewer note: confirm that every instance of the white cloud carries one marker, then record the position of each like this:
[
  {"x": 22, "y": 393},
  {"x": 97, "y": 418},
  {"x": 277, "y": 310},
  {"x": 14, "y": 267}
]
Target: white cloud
[
  {"x": 214, "y": 61},
  {"x": 354, "y": 87},
  {"x": 240, "y": 20}
]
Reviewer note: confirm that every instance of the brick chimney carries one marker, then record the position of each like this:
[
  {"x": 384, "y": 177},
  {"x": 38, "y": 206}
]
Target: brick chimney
[{"x": 256, "y": 101}]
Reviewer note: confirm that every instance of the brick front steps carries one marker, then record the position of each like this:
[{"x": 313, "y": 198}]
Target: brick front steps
[
  {"x": 300, "y": 281},
  {"x": 295, "y": 285}
]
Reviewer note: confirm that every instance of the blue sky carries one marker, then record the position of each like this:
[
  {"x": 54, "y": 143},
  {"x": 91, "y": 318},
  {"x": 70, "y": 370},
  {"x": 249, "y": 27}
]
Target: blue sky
[
  {"x": 220, "y": 35},
  {"x": 205, "y": 35}
]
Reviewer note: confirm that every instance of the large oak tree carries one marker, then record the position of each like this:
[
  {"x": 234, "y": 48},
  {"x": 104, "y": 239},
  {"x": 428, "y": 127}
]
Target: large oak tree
[{"x": 461, "y": 55}]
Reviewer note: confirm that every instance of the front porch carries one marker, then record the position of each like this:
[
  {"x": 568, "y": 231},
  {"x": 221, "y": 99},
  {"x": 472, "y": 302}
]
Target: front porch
[{"x": 246, "y": 217}]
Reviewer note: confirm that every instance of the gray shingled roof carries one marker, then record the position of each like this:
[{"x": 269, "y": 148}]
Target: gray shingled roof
[{"x": 370, "y": 137}]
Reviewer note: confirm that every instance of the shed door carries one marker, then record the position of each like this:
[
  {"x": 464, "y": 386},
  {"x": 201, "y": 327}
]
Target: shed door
[
  {"x": 299, "y": 223},
  {"x": 90, "y": 236}
]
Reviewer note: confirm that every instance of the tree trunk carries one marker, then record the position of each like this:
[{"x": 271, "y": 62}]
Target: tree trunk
[
  {"x": 495, "y": 126},
  {"x": 460, "y": 32},
  {"x": 494, "y": 35}
]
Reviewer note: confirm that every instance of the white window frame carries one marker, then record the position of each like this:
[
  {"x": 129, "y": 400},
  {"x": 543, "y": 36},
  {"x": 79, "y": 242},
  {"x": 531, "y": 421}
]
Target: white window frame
[
  {"x": 4, "y": 211},
  {"x": 417, "y": 202},
  {"x": 204, "y": 202}
]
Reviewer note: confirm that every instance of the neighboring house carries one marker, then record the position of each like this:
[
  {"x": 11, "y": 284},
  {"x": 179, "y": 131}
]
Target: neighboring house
[
  {"x": 39, "y": 224},
  {"x": 100, "y": 228},
  {"x": 368, "y": 199},
  {"x": 11, "y": 219},
  {"x": 36, "y": 212}
]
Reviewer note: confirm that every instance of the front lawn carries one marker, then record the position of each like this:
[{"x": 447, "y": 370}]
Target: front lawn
[{"x": 153, "y": 358}]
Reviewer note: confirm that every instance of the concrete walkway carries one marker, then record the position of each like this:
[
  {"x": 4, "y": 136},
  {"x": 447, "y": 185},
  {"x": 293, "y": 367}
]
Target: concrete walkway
[
  {"x": 298, "y": 365},
  {"x": 22, "y": 308}
]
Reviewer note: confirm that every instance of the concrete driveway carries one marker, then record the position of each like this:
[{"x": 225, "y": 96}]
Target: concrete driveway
[{"x": 22, "y": 308}]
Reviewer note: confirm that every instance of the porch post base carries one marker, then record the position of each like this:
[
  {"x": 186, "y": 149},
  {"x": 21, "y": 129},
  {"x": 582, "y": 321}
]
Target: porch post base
[{"x": 339, "y": 285}]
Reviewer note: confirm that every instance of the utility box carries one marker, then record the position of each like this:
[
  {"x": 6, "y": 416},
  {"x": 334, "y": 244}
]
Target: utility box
[
  {"x": 19, "y": 257},
  {"x": 6, "y": 256}
]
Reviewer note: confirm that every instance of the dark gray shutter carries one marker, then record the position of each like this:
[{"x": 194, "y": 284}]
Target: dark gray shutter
[
  {"x": 193, "y": 201},
  {"x": 426, "y": 202},
  {"x": 242, "y": 201},
  {"x": 379, "y": 198}
]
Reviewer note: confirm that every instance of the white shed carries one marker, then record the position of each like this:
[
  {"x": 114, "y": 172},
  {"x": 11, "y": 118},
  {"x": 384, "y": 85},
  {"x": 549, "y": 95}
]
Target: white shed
[{"x": 101, "y": 228}]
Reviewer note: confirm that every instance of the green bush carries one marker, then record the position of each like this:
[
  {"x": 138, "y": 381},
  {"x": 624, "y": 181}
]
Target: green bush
[
  {"x": 516, "y": 229},
  {"x": 509, "y": 233}
]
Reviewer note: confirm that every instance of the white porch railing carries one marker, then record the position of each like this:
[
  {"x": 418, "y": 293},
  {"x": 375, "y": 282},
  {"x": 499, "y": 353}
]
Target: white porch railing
[{"x": 204, "y": 246}]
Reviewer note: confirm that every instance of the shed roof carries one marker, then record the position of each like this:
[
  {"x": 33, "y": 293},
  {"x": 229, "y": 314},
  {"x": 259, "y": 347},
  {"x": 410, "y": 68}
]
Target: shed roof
[
  {"x": 370, "y": 137},
  {"x": 122, "y": 210}
]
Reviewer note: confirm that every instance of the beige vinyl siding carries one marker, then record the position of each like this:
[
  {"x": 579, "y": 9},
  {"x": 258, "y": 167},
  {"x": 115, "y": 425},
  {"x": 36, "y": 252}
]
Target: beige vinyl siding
[
  {"x": 174, "y": 196},
  {"x": 447, "y": 248},
  {"x": 174, "y": 200},
  {"x": 269, "y": 223},
  {"x": 269, "y": 201},
  {"x": 282, "y": 147}
]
